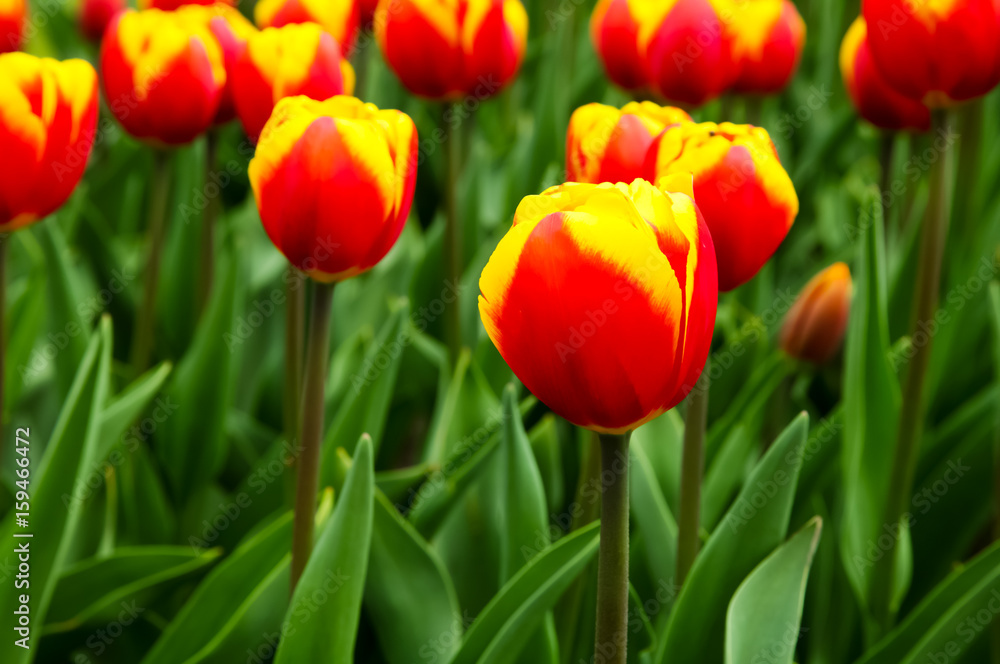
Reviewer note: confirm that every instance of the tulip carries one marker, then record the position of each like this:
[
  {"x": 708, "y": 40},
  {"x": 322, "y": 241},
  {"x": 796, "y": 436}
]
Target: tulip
[
  {"x": 340, "y": 18},
  {"x": 769, "y": 36},
  {"x": 604, "y": 144},
  {"x": 874, "y": 99},
  {"x": 170, "y": 5},
  {"x": 442, "y": 49},
  {"x": 938, "y": 53},
  {"x": 285, "y": 62},
  {"x": 747, "y": 198},
  {"x": 614, "y": 32},
  {"x": 13, "y": 16},
  {"x": 367, "y": 8},
  {"x": 163, "y": 75},
  {"x": 95, "y": 16},
  {"x": 815, "y": 325}
]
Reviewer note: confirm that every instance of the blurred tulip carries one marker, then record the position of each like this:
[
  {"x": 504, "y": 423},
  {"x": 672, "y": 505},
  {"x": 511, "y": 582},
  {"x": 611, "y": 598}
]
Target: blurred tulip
[
  {"x": 334, "y": 182},
  {"x": 604, "y": 144},
  {"x": 299, "y": 59},
  {"x": 163, "y": 74},
  {"x": 13, "y": 16},
  {"x": 169, "y": 5},
  {"x": 602, "y": 300},
  {"x": 936, "y": 52},
  {"x": 768, "y": 39},
  {"x": 444, "y": 49},
  {"x": 614, "y": 32},
  {"x": 367, "y": 8},
  {"x": 47, "y": 126},
  {"x": 740, "y": 186},
  {"x": 95, "y": 16},
  {"x": 340, "y": 18},
  {"x": 815, "y": 325},
  {"x": 873, "y": 98}
]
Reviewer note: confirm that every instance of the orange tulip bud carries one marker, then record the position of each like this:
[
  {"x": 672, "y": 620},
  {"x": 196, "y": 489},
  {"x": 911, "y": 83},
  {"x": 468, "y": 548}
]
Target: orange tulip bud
[
  {"x": 163, "y": 74},
  {"x": 602, "y": 300},
  {"x": 604, "y": 144},
  {"x": 334, "y": 182},
  {"x": 815, "y": 325},
  {"x": 740, "y": 186},
  {"x": 937, "y": 52},
  {"x": 297, "y": 59},
  {"x": 170, "y": 5},
  {"x": 95, "y": 16},
  {"x": 445, "y": 49},
  {"x": 769, "y": 36},
  {"x": 614, "y": 32},
  {"x": 340, "y": 18},
  {"x": 875, "y": 100},
  {"x": 13, "y": 16},
  {"x": 47, "y": 127}
]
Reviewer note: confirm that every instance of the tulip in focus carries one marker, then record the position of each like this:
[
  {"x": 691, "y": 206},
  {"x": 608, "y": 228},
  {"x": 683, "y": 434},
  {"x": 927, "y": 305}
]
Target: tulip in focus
[
  {"x": 815, "y": 325},
  {"x": 935, "y": 52},
  {"x": 443, "y": 49},
  {"x": 95, "y": 16},
  {"x": 747, "y": 198},
  {"x": 298, "y": 59},
  {"x": 769, "y": 36},
  {"x": 604, "y": 144},
  {"x": 341, "y": 18},
  {"x": 13, "y": 16},
  {"x": 170, "y": 5},
  {"x": 163, "y": 74},
  {"x": 602, "y": 300},
  {"x": 334, "y": 181},
  {"x": 872, "y": 97},
  {"x": 47, "y": 126}
]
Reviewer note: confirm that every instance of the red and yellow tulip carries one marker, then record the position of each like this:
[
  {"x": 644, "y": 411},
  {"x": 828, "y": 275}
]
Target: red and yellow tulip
[
  {"x": 602, "y": 299},
  {"x": 95, "y": 16},
  {"x": 13, "y": 16},
  {"x": 604, "y": 144},
  {"x": 614, "y": 32},
  {"x": 334, "y": 181},
  {"x": 48, "y": 120},
  {"x": 367, "y": 8},
  {"x": 340, "y": 18},
  {"x": 297, "y": 59},
  {"x": 163, "y": 74},
  {"x": 935, "y": 51},
  {"x": 741, "y": 188},
  {"x": 873, "y": 98},
  {"x": 443, "y": 49},
  {"x": 768, "y": 39},
  {"x": 815, "y": 325}
]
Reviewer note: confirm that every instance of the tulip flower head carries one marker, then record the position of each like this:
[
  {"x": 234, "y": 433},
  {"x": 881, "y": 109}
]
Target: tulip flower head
[
  {"x": 367, "y": 8},
  {"x": 604, "y": 144},
  {"x": 340, "y": 18},
  {"x": 602, "y": 300},
  {"x": 334, "y": 181},
  {"x": 47, "y": 124},
  {"x": 95, "y": 16},
  {"x": 874, "y": 99},
  {"x": 935, "y": 51},
  {"x": 746, "y": 196},
  {"x": 170, "y": 5},
  {"x": 443, "y": 49},
  {"x": 614, "y": 32},
  {"x": 769, "y": 36},
  {"x": 13, "y": 16},
  {"x": 815, "y": 325}
]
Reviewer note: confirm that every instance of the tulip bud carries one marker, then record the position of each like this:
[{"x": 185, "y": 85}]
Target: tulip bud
[
  {"x": 614, "y": 32},
  {"x": 602, "y": 300},
  {"x": 935, "y": 52},
  {"x": 333, "y": 181},
  {"x": 340, "y": 18},
  {"x": 873, "y": 98},
  {"x": 740, "y": 186},
  {"x": 297, "y": 59},
  {"x": 768, "y": 39},
  {"x": 231, "y": 31},
  {"x": 443, "y": 50},
  {"x": 163, "y": 74},
  {"x": 815, "y": 325},
  {"x": 95, "y": 16},
  {"x": 170, "y": 5},
  {"x": 13, "y": 17},
  {"x": 47, "y": 129}
]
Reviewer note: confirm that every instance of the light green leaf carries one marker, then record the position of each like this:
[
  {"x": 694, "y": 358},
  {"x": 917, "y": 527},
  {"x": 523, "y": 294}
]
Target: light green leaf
[{"x": 126, "y": 408}]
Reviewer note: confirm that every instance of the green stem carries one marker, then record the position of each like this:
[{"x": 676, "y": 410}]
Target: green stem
[
  {"x": 911, "y": 416},
  {"x": 753, "y": 105},
  {"x": 142, "y": 345},
  {"x": 307, "y": 475},
  {"x": 206, "y": 272},
  {"x": 452, "y": 231},
  {"x": 295, "y": 317},
  {"x": 692, "y": 460},
  {"x": 612, "y": 564}
]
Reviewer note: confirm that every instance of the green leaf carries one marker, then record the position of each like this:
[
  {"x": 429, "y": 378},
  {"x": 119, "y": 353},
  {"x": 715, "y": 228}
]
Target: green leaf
[
  {"x": 653, "y": 516},
  {"x": 69, "y": 330},
  {"x": 762, "y": 623},
  {"x": 755, "y": 524},
  {"x": 725, "y": 475},
  {"x": 397, "y": 483},
  {"x": 325, "y": 632},
  {"x": 126, "y": 408}
]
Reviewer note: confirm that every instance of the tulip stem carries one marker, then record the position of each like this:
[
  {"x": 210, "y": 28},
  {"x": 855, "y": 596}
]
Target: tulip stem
[
  {"x": 452, "y": 231},
  {"x": 307, "y": 475},
  {"x": 295, "y": 316},
  {"x": 612, "y": 564},
  {"x": 142, "y": 345},
  {"x": 206, "y": 273},
  {"x": 911, "y": 414},
  {"x": 692, "y": 460}
]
